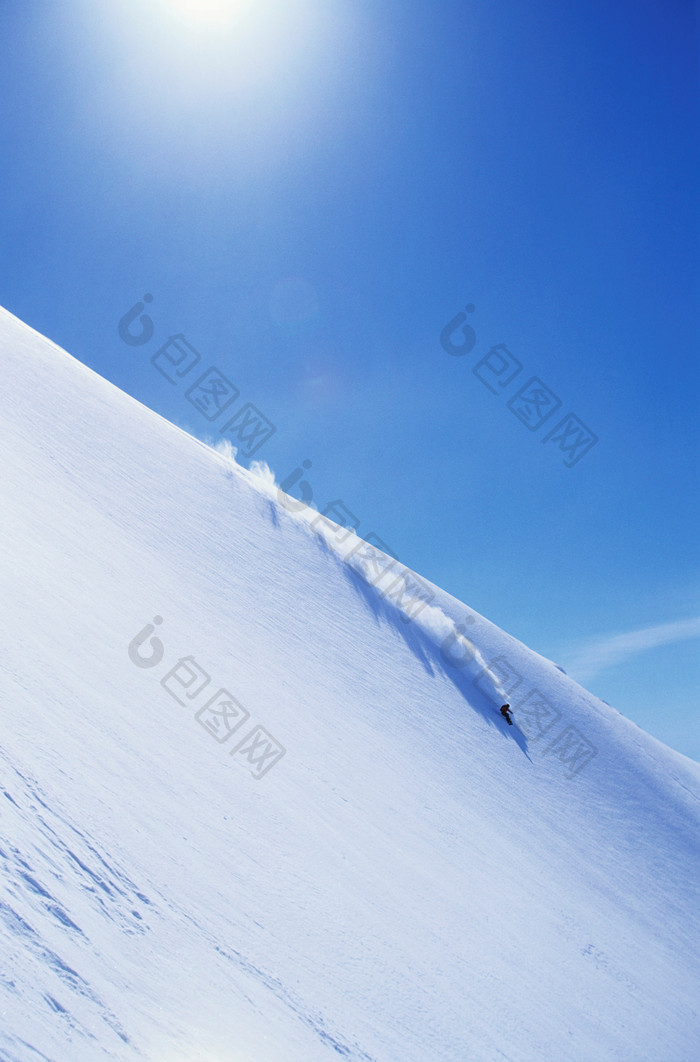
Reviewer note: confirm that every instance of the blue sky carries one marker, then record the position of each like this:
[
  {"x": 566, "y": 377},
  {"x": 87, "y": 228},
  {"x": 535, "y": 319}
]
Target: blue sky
[{"x": 311, "y": 191}]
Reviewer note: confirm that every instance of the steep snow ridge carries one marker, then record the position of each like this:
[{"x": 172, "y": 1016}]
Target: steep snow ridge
[
  {"x": 397, "y": 585},
  {"x": 447, "y": 624},
  {"x": 412, "y": 879}
]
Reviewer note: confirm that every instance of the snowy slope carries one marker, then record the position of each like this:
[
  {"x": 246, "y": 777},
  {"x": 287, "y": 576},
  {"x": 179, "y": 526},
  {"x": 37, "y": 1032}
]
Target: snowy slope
[{"x": 408, "y": 880}]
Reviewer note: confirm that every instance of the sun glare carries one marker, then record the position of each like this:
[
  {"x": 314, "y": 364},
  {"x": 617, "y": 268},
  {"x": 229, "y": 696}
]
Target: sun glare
[{"x": 207, "y": 13}]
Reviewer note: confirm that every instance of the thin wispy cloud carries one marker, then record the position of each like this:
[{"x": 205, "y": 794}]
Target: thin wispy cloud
[{"x": 585, "y": 661}]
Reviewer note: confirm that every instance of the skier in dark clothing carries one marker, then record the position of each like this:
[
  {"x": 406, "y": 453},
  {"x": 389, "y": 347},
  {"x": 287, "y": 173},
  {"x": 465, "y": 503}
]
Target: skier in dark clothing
[{"x": 506, "y": 713}]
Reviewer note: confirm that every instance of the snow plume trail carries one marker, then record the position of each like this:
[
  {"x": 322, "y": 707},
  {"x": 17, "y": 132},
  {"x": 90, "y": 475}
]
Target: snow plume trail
[
  {"x": 457, "y": 651},
  {"x": 371, "y": 898},
  {"x": 402, "y": 591}
]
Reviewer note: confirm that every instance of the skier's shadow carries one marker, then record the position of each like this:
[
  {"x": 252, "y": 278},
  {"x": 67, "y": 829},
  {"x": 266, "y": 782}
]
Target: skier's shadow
[{"x": 428, "y": 653}]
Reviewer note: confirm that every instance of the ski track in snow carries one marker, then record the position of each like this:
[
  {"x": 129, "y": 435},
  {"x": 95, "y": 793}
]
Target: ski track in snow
[
  {"x": 77, "y": 868},
  {"x": 408, "y": 868},
  {"x": 61, "y": 862}
]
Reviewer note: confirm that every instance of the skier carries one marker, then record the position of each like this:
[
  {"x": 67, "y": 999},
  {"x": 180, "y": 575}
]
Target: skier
[{"x": 506, "y": 713}]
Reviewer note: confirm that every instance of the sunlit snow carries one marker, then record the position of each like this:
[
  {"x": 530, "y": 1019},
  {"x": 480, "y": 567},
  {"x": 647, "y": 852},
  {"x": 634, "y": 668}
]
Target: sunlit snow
[{"x": 286, "y": 823}]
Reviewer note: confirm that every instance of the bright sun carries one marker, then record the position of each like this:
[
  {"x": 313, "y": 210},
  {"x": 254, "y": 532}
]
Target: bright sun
[{"x": 207, "y": 12}]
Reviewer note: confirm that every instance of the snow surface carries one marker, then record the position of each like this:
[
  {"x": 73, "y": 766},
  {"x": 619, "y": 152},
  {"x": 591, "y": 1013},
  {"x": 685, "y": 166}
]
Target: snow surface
[{"x": 410, "y": 881}]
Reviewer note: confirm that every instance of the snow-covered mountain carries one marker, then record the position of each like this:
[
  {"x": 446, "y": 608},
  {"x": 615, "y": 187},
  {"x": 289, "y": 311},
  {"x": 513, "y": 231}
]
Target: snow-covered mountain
[{"x": 257, "y": 802}]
